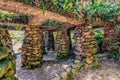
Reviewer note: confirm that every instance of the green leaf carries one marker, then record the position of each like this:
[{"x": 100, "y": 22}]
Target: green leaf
[
  {"x": 18, "y": 27},
  {"x": 43, "y": 6}
]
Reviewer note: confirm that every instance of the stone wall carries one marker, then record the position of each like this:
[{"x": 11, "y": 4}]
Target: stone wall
[
  {"x": 62, "y": 45},
  {"x": 85, "y": 49},
  {"x": 109, "y": 37},
  {"x": 85, "y": 44},
  {"x": 32, "y": 50},
  {"x": 7, "y": 59}
]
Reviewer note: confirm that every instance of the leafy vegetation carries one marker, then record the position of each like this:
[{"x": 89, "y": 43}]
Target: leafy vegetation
[
  {"x": 26, "y": 1},
  {"x": 5, "y": 15},
  {"x": 99, "y": 35},
  {"x": 116, "y": 53},
  {"x": 67, "y": 5},
  {"x": 117, "y": 27},
  {"x": 116, "y": 45},
  {"x": 106, "y": 10}
]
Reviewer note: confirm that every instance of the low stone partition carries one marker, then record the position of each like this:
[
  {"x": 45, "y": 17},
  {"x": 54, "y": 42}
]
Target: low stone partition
[{"x": 7, "y": 59}]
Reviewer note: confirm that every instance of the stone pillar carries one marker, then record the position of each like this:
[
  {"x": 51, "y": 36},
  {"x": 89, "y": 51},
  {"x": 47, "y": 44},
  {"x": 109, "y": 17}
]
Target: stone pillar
[
  {"x": 32, "y": 52},
  {"x": 62, "y": 45},
  {"x": 7, "y": 59},
  {"x": 109, "y": 37},
  {"x": 85, "y": 44}
]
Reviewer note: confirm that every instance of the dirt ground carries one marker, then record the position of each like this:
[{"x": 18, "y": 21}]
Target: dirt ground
[
  {"x": 47, "y": 71},
  {"x": 109, "y": 70}
]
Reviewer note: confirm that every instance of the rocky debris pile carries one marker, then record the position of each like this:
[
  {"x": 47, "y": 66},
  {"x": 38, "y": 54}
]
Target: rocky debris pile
[
  {"x": 85, "y": 44},
  {"x": 32, "y": 48},
  {"x": 62, "y": 45},
  {"x": 7, "y": 59}
]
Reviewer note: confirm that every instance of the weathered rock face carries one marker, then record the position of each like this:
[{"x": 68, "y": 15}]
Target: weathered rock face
[
  {"x": 7, "y": 59},
  {"x": 62, "y": 45},
  {"x": 85, "y": 44},
  {"x": 32, "y": 51}
]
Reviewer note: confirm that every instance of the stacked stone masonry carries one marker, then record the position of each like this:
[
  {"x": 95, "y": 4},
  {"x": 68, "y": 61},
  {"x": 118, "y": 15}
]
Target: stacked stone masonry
[
  {"x": 62, "y": 45},
  {"x": 85, "y": 44},
  {"x": 85, "y": 48},
  {"x": 32, "y": 48},
  {"x": 7, "y": 59},
  {"x": 109, "y": 37}
]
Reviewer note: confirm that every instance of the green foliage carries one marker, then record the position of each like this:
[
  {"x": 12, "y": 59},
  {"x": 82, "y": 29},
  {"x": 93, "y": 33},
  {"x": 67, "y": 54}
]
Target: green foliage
[
  {"x": 72, "y": 37},
  {"x": 70, "y": 77},
  {"x": 117, "y": 27},
  {"x": 5, "y": 15},
  {"x": 3, "y": 63},
  {"x": 89, "y": 9},
  {"x": 3, "y": 50},
  {"x": 99, "y": 35},
  {"x": 95, "y": 66},
  {"x": 116, "y": 52},
  {"x": 43, "y": 6},
  {"x": 106, "y": 11},
  {"x": 18, "y": 27},
  {"x": 67, "y": 5},
  {"x": 26, "y": 1}
]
